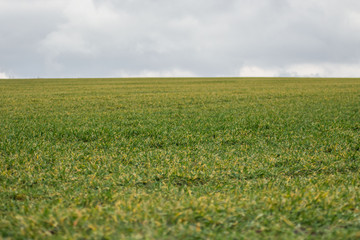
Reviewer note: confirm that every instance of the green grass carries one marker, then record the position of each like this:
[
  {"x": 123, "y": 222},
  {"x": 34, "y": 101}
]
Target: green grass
[{"x": 187, "y": 158}]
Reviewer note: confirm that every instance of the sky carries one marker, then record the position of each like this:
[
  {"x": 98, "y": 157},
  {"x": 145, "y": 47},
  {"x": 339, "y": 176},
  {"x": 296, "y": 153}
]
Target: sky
[{"x": 172, "y": 38}]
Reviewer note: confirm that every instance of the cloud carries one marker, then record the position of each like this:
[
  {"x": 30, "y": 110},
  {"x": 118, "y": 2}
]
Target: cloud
[
  {"x": 325, "y": 70},
  {"x": 254, "y": 71},
  {"x": 93, "y": 38},
  {"x": 75, "y": 36},
  {"x": 3, "y": 75},
  {"x": 164, "y": 73},
  {"x": 303, "y": 70}
]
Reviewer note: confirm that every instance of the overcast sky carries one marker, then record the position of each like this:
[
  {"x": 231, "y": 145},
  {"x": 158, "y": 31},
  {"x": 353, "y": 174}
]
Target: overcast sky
[{"x": 179, "y": 38}]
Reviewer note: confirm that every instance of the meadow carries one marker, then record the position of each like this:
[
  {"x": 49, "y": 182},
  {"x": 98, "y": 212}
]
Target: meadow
[{"x": 180, "y": 158}]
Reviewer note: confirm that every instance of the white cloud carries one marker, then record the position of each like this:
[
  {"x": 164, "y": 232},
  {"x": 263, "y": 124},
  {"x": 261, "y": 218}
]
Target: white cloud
[
  {"x": 83, "y": 19},
  {"x": 324, "y": 70},
  {"x": 307, "y": 70},
  {"x": 164, "y": 73},
  {"x": 255, "y": 71},
  {"x": 303, "y": 70},
  {"x": 3, "y": 75}
]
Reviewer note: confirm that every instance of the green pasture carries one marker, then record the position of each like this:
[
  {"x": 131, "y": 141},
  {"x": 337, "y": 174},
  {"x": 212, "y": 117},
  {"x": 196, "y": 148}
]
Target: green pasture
[{"x": 182, "y": 158}]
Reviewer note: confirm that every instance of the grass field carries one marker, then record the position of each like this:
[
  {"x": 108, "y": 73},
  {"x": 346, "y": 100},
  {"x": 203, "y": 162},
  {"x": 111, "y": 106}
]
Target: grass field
[{"x": 186, "y": 158}]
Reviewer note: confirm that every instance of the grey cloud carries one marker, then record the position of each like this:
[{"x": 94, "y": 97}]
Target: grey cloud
[{"x": 84, "y": 38}]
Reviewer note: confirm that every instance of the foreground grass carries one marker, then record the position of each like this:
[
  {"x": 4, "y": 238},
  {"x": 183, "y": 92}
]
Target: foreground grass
[{"x": 180, "y": 158}]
